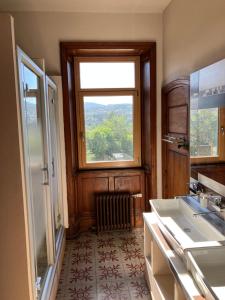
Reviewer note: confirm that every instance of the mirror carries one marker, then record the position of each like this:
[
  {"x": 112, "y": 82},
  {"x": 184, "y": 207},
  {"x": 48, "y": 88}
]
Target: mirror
[{"x": 207, "y": 126}]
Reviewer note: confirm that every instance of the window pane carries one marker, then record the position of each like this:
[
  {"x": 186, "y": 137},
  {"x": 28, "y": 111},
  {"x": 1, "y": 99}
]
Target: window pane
[
  {"x": 204, "y": 132},
  {"x": 35, "y": 161},
  {"x": 108, "y": 128},
  {"x": 107, "y": 75},
  {"x": 31, "y": 79}
]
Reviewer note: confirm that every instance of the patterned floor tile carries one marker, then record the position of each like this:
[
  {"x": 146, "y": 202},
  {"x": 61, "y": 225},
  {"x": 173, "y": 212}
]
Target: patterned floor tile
[
  {"x": 114, "y": 297},
  {"x": 81, "y": 293},
  {"x": 109, "y": 266},
  {"x": 108, "y": 288},
  {"x": 138, "y": 289},
  {"x": 107, "y": 255},
  {"x": 109, "y": 272}
]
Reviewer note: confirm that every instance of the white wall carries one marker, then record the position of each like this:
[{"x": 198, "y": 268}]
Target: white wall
[
  {"x": 193, "y": 36},
  {"x": 39, "y": 35},
  {"x": 14, "y": 282}
]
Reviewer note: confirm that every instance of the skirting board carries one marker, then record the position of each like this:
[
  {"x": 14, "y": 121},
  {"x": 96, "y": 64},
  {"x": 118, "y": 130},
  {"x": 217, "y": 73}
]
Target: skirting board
[
  {"x": 58, "y": 269},
  {"x": 52, "y": 281}
]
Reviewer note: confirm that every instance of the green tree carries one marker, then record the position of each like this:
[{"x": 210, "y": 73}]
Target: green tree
[
  {"x": 114, "y": 135},
  {"x": 204, "y": 130}
]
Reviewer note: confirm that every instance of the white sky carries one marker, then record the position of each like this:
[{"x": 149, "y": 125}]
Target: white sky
[
  {"x": 107, "y": 75},
  {"x": 212, "y": 76}
]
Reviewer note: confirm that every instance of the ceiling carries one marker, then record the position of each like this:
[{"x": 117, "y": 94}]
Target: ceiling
[{"x": 102, "y": 6}]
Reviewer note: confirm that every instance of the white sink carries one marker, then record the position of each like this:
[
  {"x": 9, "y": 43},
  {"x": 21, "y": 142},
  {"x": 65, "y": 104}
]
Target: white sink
[
  {"x": 182, "y": 228},
  {"x": 208, "y": 268}
]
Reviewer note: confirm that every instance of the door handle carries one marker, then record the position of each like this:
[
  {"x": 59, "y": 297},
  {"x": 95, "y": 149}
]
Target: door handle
[
  {"x": 181, "y": 142},
  {"x": 45, "y": 175},
  {"x": 53, "y": 167}
]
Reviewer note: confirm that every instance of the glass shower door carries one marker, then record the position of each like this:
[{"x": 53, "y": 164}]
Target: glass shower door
[
  {"x": 56, "y": 195},
  {"x": 37, "y": 171}
]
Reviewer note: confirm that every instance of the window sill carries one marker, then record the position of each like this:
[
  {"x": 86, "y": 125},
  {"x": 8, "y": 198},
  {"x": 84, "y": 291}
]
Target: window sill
[{"x": 110, "y": 170}]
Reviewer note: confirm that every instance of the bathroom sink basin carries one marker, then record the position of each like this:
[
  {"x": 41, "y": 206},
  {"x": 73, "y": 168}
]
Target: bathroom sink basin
[
  {"x": 207, "y": 266},
  {"x": 182, "y": 228}
]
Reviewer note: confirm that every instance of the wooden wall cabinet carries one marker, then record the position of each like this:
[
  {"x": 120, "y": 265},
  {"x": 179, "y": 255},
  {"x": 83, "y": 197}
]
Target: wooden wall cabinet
[{"x": 175, "y": 124}]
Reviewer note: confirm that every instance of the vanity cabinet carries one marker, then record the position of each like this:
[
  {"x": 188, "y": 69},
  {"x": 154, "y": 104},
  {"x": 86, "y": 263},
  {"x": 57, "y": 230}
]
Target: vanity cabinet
[{"x": 165, "y": 272}]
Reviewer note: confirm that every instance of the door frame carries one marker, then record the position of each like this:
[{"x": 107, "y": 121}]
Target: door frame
[{"x": 50, "y": 83}]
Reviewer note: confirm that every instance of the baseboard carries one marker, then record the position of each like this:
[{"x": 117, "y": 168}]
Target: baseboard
[
  {"x": 59, "y": 263},
  {"x": 51, "y": 286}
]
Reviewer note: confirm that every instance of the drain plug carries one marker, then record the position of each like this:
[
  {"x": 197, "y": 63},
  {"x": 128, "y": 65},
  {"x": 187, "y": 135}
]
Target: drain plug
[{"x": 187, "y": 229}]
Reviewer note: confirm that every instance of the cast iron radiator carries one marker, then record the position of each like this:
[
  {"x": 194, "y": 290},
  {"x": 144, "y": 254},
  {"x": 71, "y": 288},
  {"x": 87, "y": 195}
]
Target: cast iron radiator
[{"x": 113, "y": 211}]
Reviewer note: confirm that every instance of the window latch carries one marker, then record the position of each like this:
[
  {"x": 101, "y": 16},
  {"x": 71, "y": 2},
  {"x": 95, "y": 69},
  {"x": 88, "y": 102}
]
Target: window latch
[{"x": 82, "y": 136}]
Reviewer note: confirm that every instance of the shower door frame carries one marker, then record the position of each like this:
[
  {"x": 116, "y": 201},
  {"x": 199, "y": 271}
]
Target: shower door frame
[{"x": 23, "y": 59}]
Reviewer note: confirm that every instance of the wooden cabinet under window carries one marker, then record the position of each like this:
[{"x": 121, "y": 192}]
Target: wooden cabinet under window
[{"x": 92, "y": 182}]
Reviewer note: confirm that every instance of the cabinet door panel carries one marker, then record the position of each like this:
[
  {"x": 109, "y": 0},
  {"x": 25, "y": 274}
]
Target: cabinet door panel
[
  {"x": 92, "y": 182},
  {"x": 87, "y": 189},
  {"x": 128, "y": 183}
]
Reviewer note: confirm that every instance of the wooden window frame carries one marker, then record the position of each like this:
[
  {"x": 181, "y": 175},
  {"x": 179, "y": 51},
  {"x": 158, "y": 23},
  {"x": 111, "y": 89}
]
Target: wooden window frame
[
  {"x": 135, "y": 92},
  {"x": 146, "y": 50},
  {"x": 221, "y": 144}
]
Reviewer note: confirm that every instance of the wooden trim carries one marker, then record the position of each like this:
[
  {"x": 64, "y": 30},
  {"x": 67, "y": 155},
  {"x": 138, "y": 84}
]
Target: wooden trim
[
  {"x": 153, "y": 122},
  {"x": 135, "y": 92},
  {"x": 149, "y": 125},
  {"x": 147, "y": 53},
  {"x": 108, "y": 59},
  {"x": 179, "y": 82},
  {"x": 106, "y": 48}
]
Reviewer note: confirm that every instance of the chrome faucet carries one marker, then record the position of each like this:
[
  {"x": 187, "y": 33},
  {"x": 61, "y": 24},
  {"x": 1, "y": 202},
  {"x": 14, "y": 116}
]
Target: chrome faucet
[
  {"x": 188, "y": 195},
  {"x": 204, "y": 213},
  {"x": 216, "y": 199}
]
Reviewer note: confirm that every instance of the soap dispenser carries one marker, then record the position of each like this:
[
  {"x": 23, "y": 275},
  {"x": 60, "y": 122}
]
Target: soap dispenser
[{"x": 203, "y": 200}]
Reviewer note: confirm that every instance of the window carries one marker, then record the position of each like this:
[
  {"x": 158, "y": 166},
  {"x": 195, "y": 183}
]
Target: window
[
  {"x": 207, "y": 135},
  {"x": 108, "y": 112}
]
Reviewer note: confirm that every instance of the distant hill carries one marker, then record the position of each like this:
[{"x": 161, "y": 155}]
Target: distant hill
[{"x": 95, "y": 113}]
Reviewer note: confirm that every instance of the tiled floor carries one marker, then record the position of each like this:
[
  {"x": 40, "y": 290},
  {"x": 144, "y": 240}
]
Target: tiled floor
[{"x": 104, "y": 267}]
